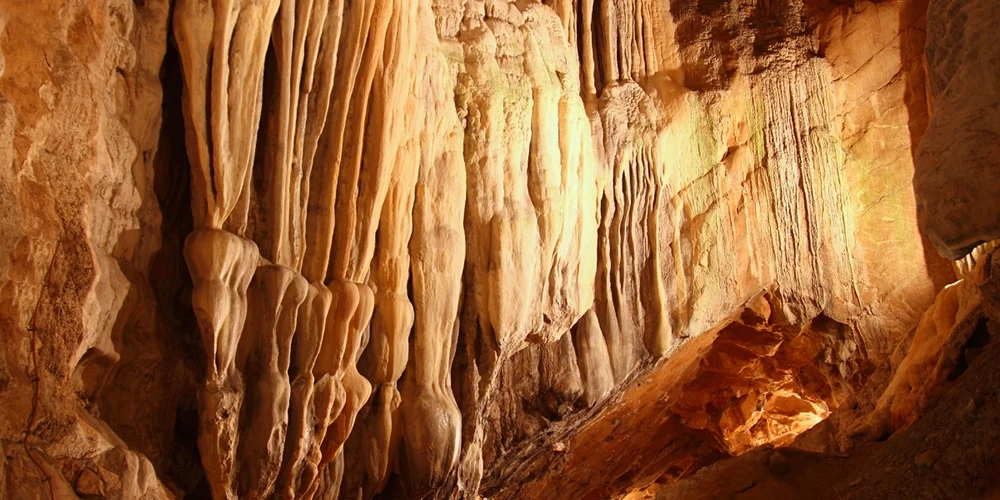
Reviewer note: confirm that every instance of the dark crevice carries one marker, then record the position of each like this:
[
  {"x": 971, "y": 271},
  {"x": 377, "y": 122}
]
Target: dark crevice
[
  {"x": 215, "y": 193},
  {"x": 157, "y": 338},
  {"x": 598, "y": 30},
  {"x": 973, "y": 346},
  {"x": 260, "y": 202}
]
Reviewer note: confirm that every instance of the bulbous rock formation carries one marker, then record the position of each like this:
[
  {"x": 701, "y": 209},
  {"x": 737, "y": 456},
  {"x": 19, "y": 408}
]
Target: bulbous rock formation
[{"x": 462, "y": 248}]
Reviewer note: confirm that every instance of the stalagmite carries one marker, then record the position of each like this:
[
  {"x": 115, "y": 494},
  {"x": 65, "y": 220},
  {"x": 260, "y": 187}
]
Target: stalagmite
[
  {"x": 429, "y": 420},
  {"x": 221, "y": 265},
  {"x": 265, "y": 356},
  {"x": 328, "y": 398},
  {"x": 222, "y": 47},
  {"x": 306, "y": 345},
  {"x": 392, "y": 322},
  {"x": 391, "y": 145},
  {"x": 356, "y": 388}
]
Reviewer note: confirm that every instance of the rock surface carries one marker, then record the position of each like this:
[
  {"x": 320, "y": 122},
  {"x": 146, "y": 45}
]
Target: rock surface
[
  {"x": 521, "y": 249},
  {"x": 954, "y": 205},
  {"x": 948, "y": 452}
]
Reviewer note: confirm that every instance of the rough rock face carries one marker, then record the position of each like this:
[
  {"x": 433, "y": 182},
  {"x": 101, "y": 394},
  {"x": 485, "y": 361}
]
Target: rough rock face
[
  {"x": 522, "y": 249},
  {"x": 940, "y": 409},
  {"x": 80, "y": 107},
  {"x": 954, "y": 204}
]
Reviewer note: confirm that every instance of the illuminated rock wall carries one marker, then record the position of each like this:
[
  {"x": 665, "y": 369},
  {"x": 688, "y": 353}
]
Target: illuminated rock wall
[{"x": 302, "y": 248}]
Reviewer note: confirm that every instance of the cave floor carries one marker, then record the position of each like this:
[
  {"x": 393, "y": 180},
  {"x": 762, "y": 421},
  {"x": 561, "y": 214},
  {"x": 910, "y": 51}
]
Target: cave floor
[{"x": 951, "y": 452}]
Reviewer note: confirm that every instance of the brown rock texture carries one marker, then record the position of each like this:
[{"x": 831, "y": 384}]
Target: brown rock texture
[
  {"x": 484, "y": 248},
  {"x": 940, "y": 410},
  {"x": 954, "y": 205}
]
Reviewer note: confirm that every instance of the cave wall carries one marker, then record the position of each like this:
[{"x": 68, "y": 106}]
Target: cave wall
[
  {"x": 954, "y": 206},
  {"x": 299, "y": 248}
]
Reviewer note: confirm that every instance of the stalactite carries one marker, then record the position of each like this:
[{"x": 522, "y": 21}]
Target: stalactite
[
  {"x": 222, "y": 47},
  {"x": 297, "y": 41}
]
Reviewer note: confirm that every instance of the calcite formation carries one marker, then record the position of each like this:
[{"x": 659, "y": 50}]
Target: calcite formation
[{"x": 460, "y": 248}]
